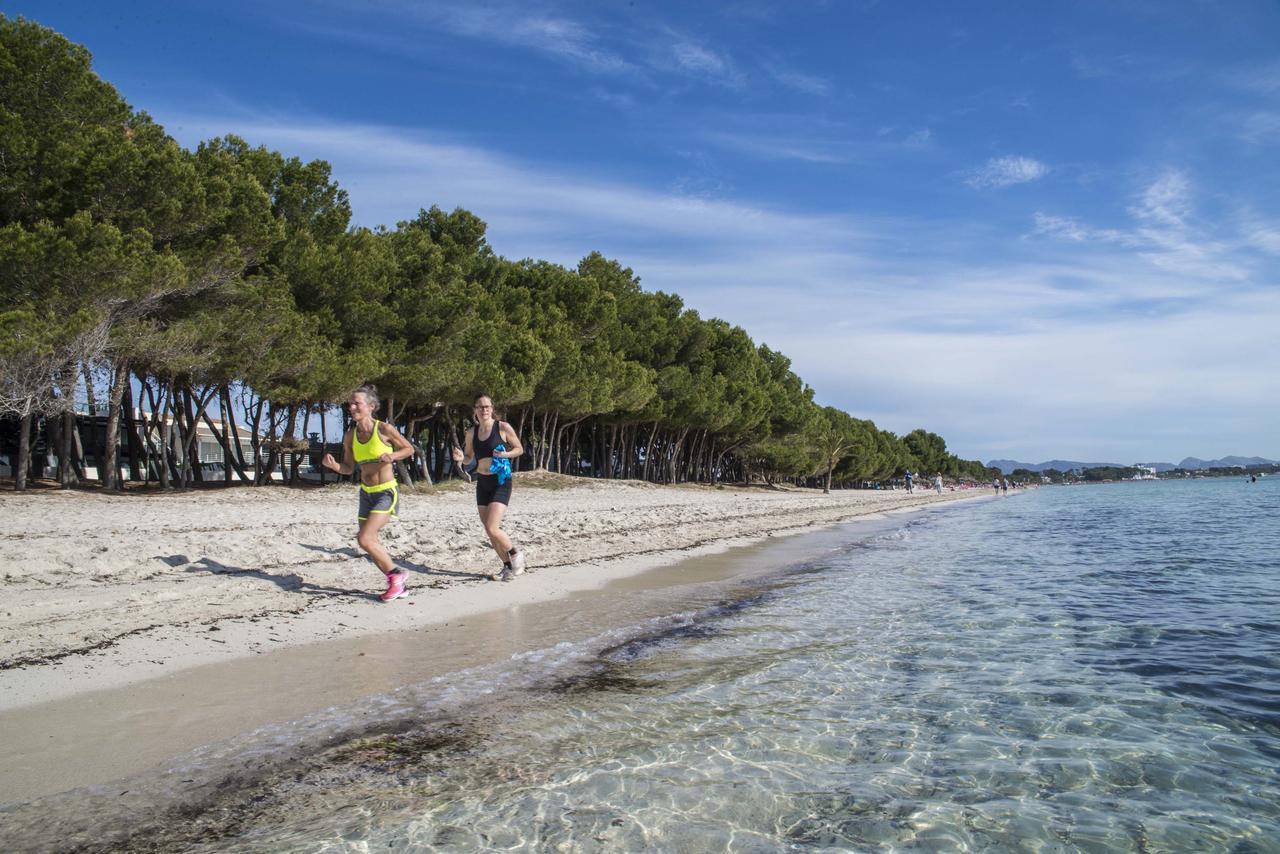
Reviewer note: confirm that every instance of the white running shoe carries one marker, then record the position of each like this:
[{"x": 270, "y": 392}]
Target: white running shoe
[{"x": 517, "y": 563}]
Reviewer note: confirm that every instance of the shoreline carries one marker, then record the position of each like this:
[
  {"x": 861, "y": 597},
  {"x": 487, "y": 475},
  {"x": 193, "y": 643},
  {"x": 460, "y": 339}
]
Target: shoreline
[{"x": 202, "y": 675}]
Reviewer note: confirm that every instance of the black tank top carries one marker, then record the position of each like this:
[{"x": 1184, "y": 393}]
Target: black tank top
[{"x": 484, "y": 447}]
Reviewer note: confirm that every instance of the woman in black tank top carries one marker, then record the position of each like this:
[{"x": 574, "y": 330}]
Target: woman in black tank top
[{"x": 492, "y": 498}]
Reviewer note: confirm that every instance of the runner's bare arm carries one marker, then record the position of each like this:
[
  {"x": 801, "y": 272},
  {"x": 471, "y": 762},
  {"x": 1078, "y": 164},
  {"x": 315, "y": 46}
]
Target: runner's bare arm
[
  {"x": 403, "y": 450},
  {"x": 348, "y": 464},
  {"x": 512, "y": 441}
]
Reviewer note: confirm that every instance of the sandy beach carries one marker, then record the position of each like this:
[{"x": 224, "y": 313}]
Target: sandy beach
[{"x": 117, "y": 600}]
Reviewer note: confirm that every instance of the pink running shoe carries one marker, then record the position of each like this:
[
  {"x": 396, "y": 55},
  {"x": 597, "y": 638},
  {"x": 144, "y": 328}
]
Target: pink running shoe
[{"x": 395, "y": 586}]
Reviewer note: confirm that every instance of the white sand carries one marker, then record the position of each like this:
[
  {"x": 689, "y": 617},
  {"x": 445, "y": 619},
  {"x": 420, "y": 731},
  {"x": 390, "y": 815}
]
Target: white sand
[{"x": 103, "y": 591}]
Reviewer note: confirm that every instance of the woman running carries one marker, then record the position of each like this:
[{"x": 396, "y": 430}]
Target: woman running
[
  {"x": 493, "y": 440},
  {"x": 374, "y": 446}
]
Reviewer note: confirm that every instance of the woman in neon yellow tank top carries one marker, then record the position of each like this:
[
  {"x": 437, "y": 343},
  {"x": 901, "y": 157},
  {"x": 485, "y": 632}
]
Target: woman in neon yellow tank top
[{"x": 374, "y": 446}]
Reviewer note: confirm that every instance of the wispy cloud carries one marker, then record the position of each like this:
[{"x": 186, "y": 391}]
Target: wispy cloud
[
  {"x": 1263, "y": 79},
  {"x": 671, "y": 51},
  {"x": 511, "y": 24},
  {"x": 807, "y": 84},
  {"x": 1166, "y": 201},
  {"x": 699, "y": 59},
  {"x": 775, "y": 147},
  {"x": 919, "y": 138},
  {"x": 522, "y": 201},
  {"x": 1005, "y": 172},
  {"x": 1070, "y": 228},
  {"x": 1260, "y": 127},
  {"x": 514, "y": 24},
  {"x": 1262, "y": 235},
  {"x": 1122, "y": 318},
  {"x": 1163, "y": 231},
  {"x": 622, "y": 100},
  {"x": 1096, "y": 66}
]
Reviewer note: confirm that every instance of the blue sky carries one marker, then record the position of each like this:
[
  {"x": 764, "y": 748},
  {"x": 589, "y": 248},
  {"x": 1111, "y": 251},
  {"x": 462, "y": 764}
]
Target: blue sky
[{"x": 1038, "y": 229}]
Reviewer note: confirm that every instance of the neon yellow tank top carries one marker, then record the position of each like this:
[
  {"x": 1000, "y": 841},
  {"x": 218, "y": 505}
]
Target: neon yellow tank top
[{"x": 366, "y": 452}]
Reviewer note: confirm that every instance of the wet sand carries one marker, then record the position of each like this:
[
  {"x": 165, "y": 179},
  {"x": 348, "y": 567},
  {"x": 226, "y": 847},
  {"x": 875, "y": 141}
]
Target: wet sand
[{"x": 166, "y": 690}]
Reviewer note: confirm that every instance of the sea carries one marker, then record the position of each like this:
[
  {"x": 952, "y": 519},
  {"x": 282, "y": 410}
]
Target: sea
[{"x": 1084, "y": 668}]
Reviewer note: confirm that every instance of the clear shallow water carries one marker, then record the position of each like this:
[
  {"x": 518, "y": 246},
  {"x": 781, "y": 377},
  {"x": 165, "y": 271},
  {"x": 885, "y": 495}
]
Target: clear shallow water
[{"x": 1090, "y": 668}]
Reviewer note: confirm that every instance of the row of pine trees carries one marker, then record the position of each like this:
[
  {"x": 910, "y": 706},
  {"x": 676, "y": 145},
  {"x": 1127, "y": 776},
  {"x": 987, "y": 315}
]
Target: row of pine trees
[{"x": 226, "y": 286}]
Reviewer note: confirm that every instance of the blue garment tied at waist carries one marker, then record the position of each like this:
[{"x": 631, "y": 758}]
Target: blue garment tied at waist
[{"x": 500, "y": 466}]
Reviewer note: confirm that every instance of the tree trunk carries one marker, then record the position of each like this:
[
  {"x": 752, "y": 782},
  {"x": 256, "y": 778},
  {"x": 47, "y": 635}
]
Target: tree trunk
[
  {"x": 186, "y": 414},
  {"x": 676, "y": 449},
  {"x": 293, "y": 469},
  {"x": 230, "y": 463},
  {"x": 77, "y": 449},
  {"x": 110, "y": 472},
  {"x": 224, "y": 438},
  {"x": 629, "y": 451},
  {"x": 539, "y": 455},
  {"x": 160, "y": 415},
  {"x": 233, "y": 432},
  {"x": 419, "y": 450},
  {"x": 575, "y": 457},
  {"x": 255, "y": 441},
  {"x": 136, "y": 447},
  {"x": 159, "y": 421},
  {"x": 66, "y": 450},
  {"x": 648, "y": 452},
  {"x": 324, "y": 440},
  {"x": 22, "y": 465},
  {"x": 91, "y": 396},
  {"x": 148, "y": 452},
  {"x": 553, "y": 451},
  {"x": 286, "y": 429},
  {"x": 719, "y": 460}
]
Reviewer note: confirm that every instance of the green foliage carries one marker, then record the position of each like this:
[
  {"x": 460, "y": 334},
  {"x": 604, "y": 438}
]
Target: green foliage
[{"x": 238, "y": 265}]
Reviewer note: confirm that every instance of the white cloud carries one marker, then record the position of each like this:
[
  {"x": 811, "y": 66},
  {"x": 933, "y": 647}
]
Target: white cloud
[
  {"x": 1260, "y": 127},
  {"x": 1263, "y": 79},
  {"x": 773, "y": 147},
  {"x": 1069, "y": 228},
  {"x": 1102, "y": 336},
  {"x": 506, "y": 23},
  {"x": 807, "y": 84},
  {"x": 918, "y": 139},
  {"x": 1098, "y": 67},
  {"x": 1005, "y": 172},
  {"x": 1166, "y": 202},
  {"x": 1165, "y": 234},
  {"x": 671, "y": 51},
  {"x": 1262, "y": 235},
  {"x": 695, "y": 57},
  {"x": 640, "y": 50},
  {"x": 414, "y": 169}
]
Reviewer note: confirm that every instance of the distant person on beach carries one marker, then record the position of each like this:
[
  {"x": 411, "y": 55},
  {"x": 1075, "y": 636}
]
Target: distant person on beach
[
  {"x": 937, "y": 482},
  {"x": 910, "y": 488},
  {"x": 1005, "y": 484},
  {"x": 374, "y": 446},
  {"x": 995, "y": 484},
  {"x": 490, "y": 444}
]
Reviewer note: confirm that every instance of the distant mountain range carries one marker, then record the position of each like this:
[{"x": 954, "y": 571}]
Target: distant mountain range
[{"x": 1190, "y": 463}]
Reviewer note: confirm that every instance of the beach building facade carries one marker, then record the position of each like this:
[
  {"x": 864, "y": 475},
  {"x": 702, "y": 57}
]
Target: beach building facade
[{"x": 142, "y": 439}]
